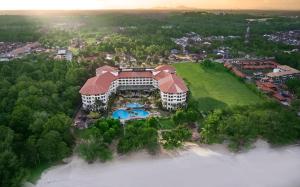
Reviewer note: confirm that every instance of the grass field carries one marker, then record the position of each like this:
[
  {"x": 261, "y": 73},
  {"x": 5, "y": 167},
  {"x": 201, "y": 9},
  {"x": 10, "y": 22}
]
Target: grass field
[{"x": 214, "y": 87}]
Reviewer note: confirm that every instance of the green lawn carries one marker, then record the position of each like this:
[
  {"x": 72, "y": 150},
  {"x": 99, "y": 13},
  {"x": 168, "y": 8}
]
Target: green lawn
[{"x": 214, "y": 87}]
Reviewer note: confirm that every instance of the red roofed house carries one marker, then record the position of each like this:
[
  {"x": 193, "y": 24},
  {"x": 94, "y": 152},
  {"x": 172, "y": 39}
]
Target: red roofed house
[{"x": 108, "y": 80}]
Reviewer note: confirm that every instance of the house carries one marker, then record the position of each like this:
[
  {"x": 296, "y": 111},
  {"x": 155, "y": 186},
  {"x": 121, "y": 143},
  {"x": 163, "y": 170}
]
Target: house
[
  {"x": 109, "y": 57},
  {"x": 258, "y": 75},
  {"x": 109, "y": 80},
  {"x": 234, "y": 70},
  {"x": 238, "y": 73},
  {"x": 258, "y": 64},
  {"x": 224, "y": 53},
  {"x": 24, "y": 50},
  {"x": 282, "y": 73},
  {"x": 267, "y": 87},
  {"x": 183, "y": 42},
  {"x": 63, "y": 54}
]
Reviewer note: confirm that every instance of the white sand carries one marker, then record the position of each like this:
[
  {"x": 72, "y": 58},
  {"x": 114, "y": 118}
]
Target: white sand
[{"x": 209, "y": 166}]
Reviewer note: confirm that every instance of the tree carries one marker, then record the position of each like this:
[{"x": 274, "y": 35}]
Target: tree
[
  {"x": 32, "y": 159},
  {"x": 37, "y": 100},
  {"x": 210, "y": 131},
  {"x": 150, "y": 139},
  {"x": 52, "y": 141},
  {"x": 239, "y": 130},
  {"x": 153, "y": 122},
  {"x": 75, "y": 76},
  {"x": 21, "y": 117},
  {"x": 182, "y": 117},
  {"x": 138, "y": 135},
  {"x": 11, "y": 172},
  {"x": 5, "y": 71},
  {"x": 293, "y": 84},
  {"x": 241, "y": 126},
  {"x": 174, "y": 138},
  {"x": 179, "y": 117},
  {"x": 109, "y": 129},
  {"x": 39, "y": 119},
  {"x": 95, "y": 140},
  {"x": 60, "y": 123},
  {"x": 296, "y": 105},
  {"x": 93, "y": 149}
]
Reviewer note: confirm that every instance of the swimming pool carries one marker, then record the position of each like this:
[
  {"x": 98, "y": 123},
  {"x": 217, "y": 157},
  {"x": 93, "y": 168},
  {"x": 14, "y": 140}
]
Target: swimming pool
[
  {"x": 130, "y": 114},
  {"x": 134, "y": 105}
]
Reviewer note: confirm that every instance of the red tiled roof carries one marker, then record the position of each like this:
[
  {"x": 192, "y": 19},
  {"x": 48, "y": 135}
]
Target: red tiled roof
[
  {"x": 266, "y": 86},
  {"x": 258, "y": 62},
  {"x": 269, "y": 85},
  {"x": 168, "y": 81},
  {"x": 172, "y": 84},
  {"x": 161, "y": 75},
  {"x": 259, "y": 66},
  {"x": 266, "y": 89},
  {"x": 279, "y": 97},
  {"x": 227, "y": 65},
  {"x": 238, "y": 73},
  {"x": 132, "y": 74},
  {"x": 98, "y": 84}
]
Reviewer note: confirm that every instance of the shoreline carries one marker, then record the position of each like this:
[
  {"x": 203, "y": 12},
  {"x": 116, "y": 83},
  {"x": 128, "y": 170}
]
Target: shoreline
[{"x": 193, "y": 157}]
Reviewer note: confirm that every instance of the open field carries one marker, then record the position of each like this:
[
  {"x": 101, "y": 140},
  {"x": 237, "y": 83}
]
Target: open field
[{"x": 214, "y": 87}]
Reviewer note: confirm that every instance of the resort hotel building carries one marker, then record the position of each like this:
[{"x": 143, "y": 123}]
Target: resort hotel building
[{"x": 109, "y": 80}]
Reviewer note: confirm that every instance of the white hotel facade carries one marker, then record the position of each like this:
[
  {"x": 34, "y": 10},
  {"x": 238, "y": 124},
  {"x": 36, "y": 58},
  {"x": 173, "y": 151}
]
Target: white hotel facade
[{"x": 109, "y": 80}]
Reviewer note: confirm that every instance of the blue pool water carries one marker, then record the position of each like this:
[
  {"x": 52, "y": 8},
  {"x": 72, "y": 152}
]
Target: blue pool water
[
  {"x": 129, "y": 114},
  {"x": 134, "y": 105}
]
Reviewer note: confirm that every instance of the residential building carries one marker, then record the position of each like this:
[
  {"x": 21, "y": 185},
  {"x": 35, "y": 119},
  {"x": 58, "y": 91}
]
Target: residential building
[
  {"x": 282, "y": 73},
  {"x": 63, "y": 54},
  {"x": 110, "y": 80}
]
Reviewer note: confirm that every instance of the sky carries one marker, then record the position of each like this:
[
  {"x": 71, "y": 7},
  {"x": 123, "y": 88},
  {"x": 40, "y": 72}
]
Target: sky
[{"x": 147, "y": 4}]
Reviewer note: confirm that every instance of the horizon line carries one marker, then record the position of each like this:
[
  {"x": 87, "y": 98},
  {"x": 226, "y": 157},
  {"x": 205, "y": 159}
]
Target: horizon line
[{"x": 158, "y": 8}]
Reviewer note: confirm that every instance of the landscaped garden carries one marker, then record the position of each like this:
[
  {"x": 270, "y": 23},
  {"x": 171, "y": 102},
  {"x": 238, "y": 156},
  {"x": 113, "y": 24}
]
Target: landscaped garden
[{"x": 214, "y": 87}]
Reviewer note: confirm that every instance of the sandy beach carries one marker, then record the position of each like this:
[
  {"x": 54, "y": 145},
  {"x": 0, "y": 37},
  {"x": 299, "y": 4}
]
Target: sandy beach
[{"x": 209, "y": 166}]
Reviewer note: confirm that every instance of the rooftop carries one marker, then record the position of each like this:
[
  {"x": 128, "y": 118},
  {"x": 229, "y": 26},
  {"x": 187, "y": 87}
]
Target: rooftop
[
  {"x": 283, "y": 70},
  {"x": 168, "y": 81},
  {"x": 98, "y": 84}
]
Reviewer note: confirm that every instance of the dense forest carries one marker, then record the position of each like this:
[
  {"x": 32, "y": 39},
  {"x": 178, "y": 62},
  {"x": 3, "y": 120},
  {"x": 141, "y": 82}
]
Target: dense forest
[
  {"x": 241, "y": 126},
  {"x": 38, "y": 99},
  {"x": 19, "y": 29}
]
